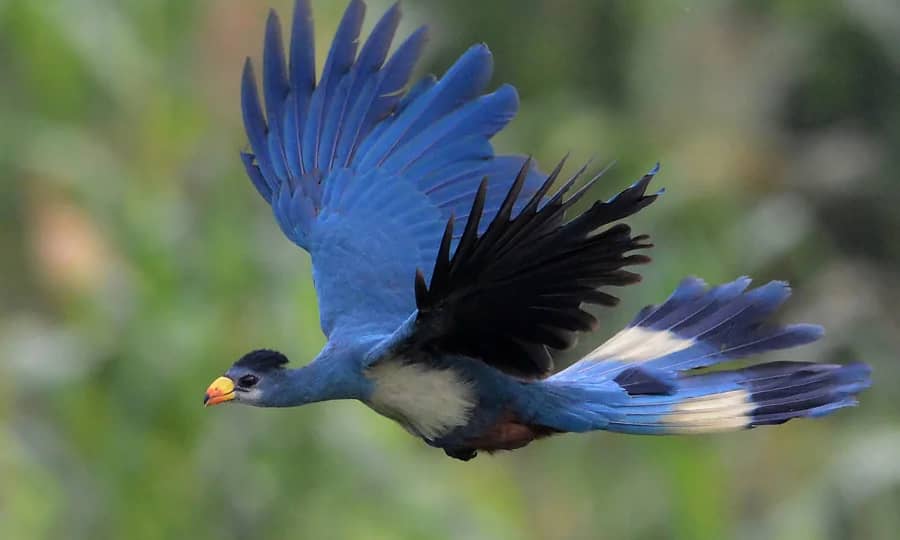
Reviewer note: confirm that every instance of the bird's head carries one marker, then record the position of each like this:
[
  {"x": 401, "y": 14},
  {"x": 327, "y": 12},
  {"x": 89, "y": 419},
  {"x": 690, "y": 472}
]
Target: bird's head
[{"x": 256, "y": 379}]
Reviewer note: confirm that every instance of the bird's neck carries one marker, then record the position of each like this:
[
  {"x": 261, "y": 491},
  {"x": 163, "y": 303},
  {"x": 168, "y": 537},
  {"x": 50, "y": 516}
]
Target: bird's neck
[{"x": 329, "y": 376}]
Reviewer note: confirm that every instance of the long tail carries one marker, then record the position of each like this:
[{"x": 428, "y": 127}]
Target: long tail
[
  {"x": 638, "y": 381},
  {"x": 766, "y": 394}
]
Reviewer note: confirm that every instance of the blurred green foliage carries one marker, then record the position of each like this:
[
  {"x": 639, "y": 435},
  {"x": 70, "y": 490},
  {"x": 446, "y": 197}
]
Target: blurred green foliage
[{"x": 138, "y": 263}]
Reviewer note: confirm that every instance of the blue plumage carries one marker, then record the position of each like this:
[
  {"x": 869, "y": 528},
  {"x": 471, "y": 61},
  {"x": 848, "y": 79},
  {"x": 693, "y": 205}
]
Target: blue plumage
[
  {"x": 699, "y": 327},
  {"x": 765, "y": 394},
  {"x": 445, "y": 273},
  {"x": 357, "y": 117},
  {"x": 275, "y": 82}
]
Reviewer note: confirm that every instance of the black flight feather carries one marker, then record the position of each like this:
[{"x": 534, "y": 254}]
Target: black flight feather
[{"x": 508, "y": 294}]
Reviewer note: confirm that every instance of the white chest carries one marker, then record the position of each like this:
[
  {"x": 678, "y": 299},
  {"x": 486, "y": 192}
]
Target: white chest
[{"x": 428, "y": 402}]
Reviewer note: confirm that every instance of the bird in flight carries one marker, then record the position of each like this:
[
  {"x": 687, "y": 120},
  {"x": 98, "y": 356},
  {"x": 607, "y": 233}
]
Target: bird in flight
[{"x": 446, "y": 273}]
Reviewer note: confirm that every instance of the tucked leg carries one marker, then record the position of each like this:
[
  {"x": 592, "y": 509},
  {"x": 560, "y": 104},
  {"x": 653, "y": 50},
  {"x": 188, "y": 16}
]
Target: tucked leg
[{"x": 464, "y": 454}]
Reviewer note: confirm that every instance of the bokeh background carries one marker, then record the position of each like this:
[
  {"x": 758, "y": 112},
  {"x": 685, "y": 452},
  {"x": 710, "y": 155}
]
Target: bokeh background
[{"x": 138, "y": 262}]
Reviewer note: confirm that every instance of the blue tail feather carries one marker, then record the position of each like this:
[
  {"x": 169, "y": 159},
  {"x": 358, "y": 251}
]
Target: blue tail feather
[
  {"x": 648, "y": 364},
  {"x": 766, "y": 394},
  {"x": 698, "y": 327}
]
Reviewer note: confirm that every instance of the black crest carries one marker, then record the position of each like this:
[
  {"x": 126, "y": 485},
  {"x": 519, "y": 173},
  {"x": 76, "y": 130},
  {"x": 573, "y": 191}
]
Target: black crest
[{"x": 262, "y": 360}]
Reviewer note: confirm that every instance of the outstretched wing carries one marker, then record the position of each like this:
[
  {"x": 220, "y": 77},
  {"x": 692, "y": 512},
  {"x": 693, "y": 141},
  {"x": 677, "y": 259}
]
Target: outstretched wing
[
  {"x": 507, "y": 294},
  {"x": 362, "y": 174}
]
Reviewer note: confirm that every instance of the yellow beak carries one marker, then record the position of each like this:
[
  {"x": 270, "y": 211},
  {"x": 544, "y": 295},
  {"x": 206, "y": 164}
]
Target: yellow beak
[{"x": 220, "y": 391}]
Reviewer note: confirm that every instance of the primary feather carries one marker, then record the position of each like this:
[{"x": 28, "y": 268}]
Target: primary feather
[{"x": 520, "y": 286}]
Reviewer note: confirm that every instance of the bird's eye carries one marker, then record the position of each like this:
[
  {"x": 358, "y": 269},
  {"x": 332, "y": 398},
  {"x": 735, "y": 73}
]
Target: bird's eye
[{"x": 248, "y": 380}]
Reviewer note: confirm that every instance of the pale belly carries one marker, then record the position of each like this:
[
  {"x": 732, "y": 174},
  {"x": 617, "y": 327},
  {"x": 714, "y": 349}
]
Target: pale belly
[{"x": 428, "y": 402}]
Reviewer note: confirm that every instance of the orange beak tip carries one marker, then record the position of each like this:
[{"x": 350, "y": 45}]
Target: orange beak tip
[{"x": 220, "y": 391}]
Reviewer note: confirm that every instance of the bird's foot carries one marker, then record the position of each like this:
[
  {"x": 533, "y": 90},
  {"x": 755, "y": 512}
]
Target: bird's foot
[{"x": 463, "y": 454}]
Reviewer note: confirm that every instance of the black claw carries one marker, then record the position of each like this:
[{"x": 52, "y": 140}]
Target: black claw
[{"x": 463, "y": 454}]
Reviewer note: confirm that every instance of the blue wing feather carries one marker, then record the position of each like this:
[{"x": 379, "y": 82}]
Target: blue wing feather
[
  {"x": 481, "y": 117},
  {"x": 291, "y": 136},
  {"x": 256, "y": 177},
  {"x": 334, "y": 118},
  {"x": 276, "y": 155},
  {"x": 337, "y": 65},
  {"x": 309, "y": 141},
  {"x": 462, "y": 82},
  {"x": 303, "y": 54},
  {"x": 380, "y": 95},
  {"x": 365, "y": 247},
  {"x": 362, "y": 75},
  {"x": 419, "y": 89},
  {"x": 255, "y": 125},
  {"x": 375, "y": 50},
  {"x": 467, "y": 154},
  {"x": 362, "y": 174},
  {"x": 454, "y": 189},
  {"x": 275, "y": 82},
  {"x": 302, "y": 67}
]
